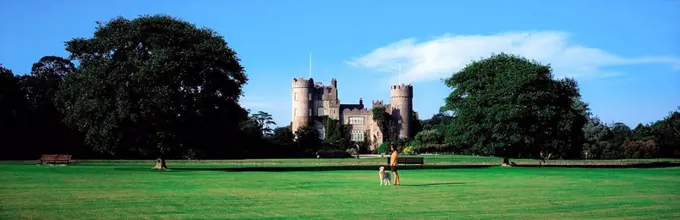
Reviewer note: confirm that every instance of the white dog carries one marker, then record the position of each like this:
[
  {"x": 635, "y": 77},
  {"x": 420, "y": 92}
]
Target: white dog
[{"x": 384, "y": 177}]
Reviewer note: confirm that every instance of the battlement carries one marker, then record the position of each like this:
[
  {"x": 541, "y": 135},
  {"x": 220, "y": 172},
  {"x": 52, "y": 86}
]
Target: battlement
[
  {"x": 356, "y": 111},
  {"x": 301, "y": 82},
  {"x": 378, "y": 103},
  {"x": 401, "y": 91}
]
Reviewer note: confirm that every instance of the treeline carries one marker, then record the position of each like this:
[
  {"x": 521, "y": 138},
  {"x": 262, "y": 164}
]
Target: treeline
[
  {"x": 512, "y": 107},
  {"x": 617, "y": 140},
  {"x": 33, "y": 122}
]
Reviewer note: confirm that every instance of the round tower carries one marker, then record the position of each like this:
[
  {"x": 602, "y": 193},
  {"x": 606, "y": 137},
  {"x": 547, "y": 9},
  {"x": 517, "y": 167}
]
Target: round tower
[
  {"x": 401, "y": 104},
  {"x": 301, "y": 102}
]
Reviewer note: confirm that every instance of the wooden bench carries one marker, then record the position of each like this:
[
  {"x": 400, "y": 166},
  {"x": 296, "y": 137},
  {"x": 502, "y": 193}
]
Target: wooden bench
[
  {"x": 409, "y": 160},
  {"x": 55, "y": 159}
]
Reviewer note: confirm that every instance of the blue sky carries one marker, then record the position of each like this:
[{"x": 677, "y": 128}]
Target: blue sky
[{"x": 624, "y": 54}]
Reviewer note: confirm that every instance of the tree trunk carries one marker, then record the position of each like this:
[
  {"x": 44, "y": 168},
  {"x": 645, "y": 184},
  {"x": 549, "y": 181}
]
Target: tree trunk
[
  {"x": 160, "y": 164},
  {"x": 506, "y": 162}
]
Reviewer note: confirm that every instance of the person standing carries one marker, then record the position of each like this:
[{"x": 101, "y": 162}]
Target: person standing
[{"x": 393, "y": 164}]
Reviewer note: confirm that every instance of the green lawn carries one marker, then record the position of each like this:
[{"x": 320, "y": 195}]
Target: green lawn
[{"x": 132, "y": 191}]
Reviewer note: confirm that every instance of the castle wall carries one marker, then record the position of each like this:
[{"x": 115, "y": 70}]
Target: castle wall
[{"x": 361, "y": 120}]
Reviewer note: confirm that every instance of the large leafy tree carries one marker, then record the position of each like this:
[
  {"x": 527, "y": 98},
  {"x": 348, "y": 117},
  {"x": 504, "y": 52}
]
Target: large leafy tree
[
  {"x": 154, "y": 84},
  {"x": 507, "y": 105}
]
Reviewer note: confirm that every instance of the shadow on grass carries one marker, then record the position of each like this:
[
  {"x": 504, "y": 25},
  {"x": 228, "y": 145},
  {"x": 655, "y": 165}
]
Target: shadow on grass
[
  {"x": 435, "y": 184},
  {"x": 319, "y": 168},
  {"x": 601, "y": 165}
]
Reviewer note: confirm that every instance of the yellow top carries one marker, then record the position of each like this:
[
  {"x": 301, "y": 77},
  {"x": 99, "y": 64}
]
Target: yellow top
[{"x": 393, "y": 158}]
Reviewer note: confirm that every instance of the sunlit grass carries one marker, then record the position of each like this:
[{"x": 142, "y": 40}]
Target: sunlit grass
[{"x": 134, "y": 191}]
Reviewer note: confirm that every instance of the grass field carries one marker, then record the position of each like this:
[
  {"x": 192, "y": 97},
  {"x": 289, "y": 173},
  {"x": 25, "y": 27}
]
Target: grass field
[{"x": 128, "y": 190}]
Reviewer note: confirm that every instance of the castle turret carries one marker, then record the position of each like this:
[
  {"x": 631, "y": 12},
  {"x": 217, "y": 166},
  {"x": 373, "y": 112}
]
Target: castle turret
[
  {"x": 302, "y": 102},
  {"x": 401, "y": 103}
]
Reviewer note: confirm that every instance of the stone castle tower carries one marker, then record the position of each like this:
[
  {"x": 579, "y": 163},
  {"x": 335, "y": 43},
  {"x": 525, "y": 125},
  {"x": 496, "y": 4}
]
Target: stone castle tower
[
  {"x": 401, "y": 101},
  {"x": 311, "y": 99}
]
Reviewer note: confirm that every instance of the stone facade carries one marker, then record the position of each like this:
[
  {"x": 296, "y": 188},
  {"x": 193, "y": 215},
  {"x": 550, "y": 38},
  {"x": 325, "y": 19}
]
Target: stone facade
[{"x": 311, "y": 99}]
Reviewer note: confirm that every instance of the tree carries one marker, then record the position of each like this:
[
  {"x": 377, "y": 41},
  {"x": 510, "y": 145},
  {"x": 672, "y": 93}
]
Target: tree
[
  {"x": 283, "y": 136},
  {"x": 265, "y": 121},
  {"x": 436, "y": 121},
  {"x": 154, "y": 83},
  {"x": 597, "y": 136},
  {"x": 640, "y": 149},
  {"x": 416, "y": 124},
  {"x": 507, "y": 105},
  {"x": 336, "y": 135},
  {"x": 41, "y": 87},
  {"x": 42, "y": 84},
  {"x": 667, "y": 132},
  {"x": 13, "y": 110},
  {"x": 381, "y": 117},
  {"x": 283, "y": 141},
  {"x": 10, "y": 97},
  {"x": 620, "y": 133},
  {"x": 308, "y": 139}
]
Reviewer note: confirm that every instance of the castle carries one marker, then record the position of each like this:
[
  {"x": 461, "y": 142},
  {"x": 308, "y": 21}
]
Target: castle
[{"x": 310, "y": 99}]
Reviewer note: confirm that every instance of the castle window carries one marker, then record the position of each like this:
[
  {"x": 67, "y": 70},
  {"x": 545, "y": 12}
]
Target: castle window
[
  {"x": 310, "y": 97},
  {"x": 357, "y": 135},
  {"x": 294, "y": 112},
  {"x": 399, "y": 121},
  {"x": 356, "y": 120},
  {"x": 295, "y": 96},
  {"x": 319, "y": 111},
  {"x": 310, "y": 112}
]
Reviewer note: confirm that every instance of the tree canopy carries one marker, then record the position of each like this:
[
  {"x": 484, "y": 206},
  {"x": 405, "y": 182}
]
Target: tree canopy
[
  {"x": 153, "y": 82},
  {"x": 506, "y": 105}
]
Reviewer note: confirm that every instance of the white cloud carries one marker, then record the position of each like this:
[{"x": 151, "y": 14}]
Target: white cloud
[{"x": 444, "y": 55}]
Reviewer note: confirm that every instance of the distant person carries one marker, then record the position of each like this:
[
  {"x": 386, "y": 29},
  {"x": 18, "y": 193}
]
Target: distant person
[{"x": 393, "y": 164}]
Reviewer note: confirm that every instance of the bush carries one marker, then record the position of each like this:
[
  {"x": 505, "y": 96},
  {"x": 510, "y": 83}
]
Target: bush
[
  {"x": 640, "y": 149},
  {"x": 432, "y": 136},
  {"x": 412, "y": 143},
  {"x": 383, "y": 148},
  {"x": 409, "y": 150},
  {"x": 333, "y": 154},
  {"x": 432, "y": 148},
  {"x": 352, "y": 151}
]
